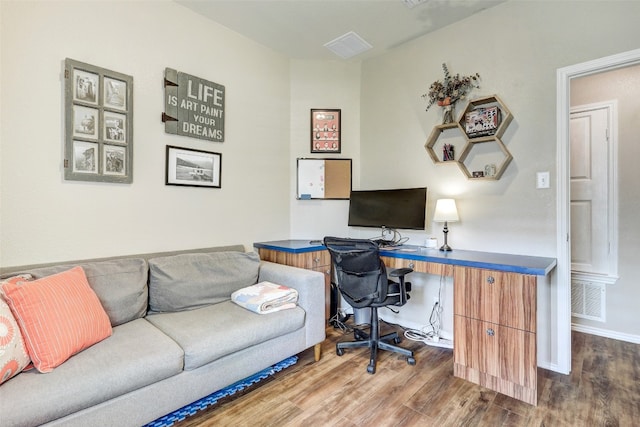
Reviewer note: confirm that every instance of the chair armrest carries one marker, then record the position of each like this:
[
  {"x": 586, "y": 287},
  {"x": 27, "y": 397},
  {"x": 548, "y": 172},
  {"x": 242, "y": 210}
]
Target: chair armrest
[
  {"x": 310, "y": 287},
  {"x": 399, "y": 272}
]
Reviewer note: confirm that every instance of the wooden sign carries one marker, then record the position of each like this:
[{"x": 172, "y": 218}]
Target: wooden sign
[{"x": 193, "y": 106}]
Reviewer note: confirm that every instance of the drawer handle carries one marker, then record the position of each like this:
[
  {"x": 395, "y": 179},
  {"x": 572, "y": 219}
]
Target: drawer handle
[
  {"x": 491, "y": 332},
  {"x": 411, "y": 265},
  {"x": 316, "y": 260},
  {"x": 491, "y": 280}
]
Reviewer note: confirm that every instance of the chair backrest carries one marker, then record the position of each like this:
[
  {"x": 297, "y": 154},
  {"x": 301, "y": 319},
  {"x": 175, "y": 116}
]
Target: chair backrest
[{"x": 358, "y": 272}]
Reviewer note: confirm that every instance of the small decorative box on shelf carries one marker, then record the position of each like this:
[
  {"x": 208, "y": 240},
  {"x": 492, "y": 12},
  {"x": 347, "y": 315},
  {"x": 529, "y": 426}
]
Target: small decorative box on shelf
[{"x": 482, "y": 121}]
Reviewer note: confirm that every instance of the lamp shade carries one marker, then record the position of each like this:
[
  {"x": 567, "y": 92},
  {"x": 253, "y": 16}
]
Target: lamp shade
[{"x": 446, "y": 211}]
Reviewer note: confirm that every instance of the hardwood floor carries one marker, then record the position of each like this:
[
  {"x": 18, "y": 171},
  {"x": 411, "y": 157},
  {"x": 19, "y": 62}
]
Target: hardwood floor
[{"x": 603, "y": 389}]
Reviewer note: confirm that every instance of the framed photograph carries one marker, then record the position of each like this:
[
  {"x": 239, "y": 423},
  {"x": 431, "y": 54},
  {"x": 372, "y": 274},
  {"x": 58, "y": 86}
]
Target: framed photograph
[
  {"x": 98, "y": 121},
  {"x": 115, "y": 127},
  {"x": 325, "y": 131},
  {"x": 193, "y": 168},
  {"x": 85, "y": 87},
  {"x": 85, "y": 122},
  {"x": 482, "y": 121},
  {"x": 115, "y": 160},
  {"x": 85, "y": 157},
  {"x": 115, "y": 93}
]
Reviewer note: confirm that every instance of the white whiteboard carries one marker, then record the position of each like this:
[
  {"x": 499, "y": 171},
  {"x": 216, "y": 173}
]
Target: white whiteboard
[{"x": 323, "y": 179}]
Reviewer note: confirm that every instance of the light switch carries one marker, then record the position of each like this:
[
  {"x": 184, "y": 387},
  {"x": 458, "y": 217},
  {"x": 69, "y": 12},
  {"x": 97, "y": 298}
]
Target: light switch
[{"x": 542, "y": 180}]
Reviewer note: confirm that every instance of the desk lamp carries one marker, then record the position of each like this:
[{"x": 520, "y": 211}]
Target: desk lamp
[{"x": 445, "y": 211}]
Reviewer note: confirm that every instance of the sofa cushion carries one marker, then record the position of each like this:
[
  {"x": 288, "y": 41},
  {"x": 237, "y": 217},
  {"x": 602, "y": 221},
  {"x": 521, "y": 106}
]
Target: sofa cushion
[
  {"x": 188, "y": 281},
  {"x": 212, "y": 332},
  {"x": 121, "y": 285},
  {"x": 136, "y": 355},
  {"x": 13, "y": 353},
  {"x": 59, "y": 316}
]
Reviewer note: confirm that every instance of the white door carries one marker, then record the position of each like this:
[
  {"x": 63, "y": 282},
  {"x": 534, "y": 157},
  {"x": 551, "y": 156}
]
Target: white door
[{"x": 592, "y": 177}]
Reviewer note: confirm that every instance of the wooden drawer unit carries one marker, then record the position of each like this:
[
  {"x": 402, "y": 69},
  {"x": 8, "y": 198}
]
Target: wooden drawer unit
[
  {"x": 495, "y": 331},
  {"x": 418, "y": 266},
  {"x": 316, "y": 260}
]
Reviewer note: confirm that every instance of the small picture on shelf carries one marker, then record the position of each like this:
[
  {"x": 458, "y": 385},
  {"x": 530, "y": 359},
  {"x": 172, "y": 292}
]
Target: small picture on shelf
[
  {"x": 448, "y": 152},
  {"x": 482, "y": 121},
  {"x": 477, "y": 174}
]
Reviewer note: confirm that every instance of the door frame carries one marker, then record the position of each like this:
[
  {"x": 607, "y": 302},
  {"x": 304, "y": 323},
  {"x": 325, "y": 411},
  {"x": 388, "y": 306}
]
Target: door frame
[{"x": 563, "y": 217}]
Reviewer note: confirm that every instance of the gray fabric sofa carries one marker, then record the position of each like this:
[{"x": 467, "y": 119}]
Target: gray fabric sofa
[{"x": 177, "y": 337}]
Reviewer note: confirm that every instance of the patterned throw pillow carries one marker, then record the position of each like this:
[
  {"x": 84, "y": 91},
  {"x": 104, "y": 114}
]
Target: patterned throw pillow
[
  {"x": 13, "y": 353},
  {"x": 59, "y": 316}
]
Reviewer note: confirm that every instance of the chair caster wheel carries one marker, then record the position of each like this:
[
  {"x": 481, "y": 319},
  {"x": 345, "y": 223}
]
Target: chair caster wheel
[
  {"x": 371, "y": 369},
  {"x": 397, "y": 340},
  {"x": 339, "y": 351},
  {"x": 411, "y": 361}
]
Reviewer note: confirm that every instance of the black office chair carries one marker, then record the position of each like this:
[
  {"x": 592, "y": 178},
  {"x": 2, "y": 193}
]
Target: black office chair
[{"x": 361, "y": 277}]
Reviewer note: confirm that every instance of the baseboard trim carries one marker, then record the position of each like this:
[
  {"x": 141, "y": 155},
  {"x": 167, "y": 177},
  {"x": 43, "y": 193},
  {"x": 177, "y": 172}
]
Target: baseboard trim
[
  {"x": 635, "y": 339},
  {"x": 551, "y": 367}
]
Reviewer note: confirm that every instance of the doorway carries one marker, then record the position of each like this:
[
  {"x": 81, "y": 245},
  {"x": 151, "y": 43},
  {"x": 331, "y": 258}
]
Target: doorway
[
  {"x": 564, "y": 77},
  {"x": 593, "y": 199}
]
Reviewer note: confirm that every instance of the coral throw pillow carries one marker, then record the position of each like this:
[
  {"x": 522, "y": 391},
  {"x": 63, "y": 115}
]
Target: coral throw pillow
[
  {"x": 59, "y": 316},
  {"x": 13, "y": 353}
]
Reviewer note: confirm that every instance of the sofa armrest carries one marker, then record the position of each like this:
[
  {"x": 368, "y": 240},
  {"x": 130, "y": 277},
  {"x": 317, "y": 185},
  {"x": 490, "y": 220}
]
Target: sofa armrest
[{"x": 310, "y": 287}]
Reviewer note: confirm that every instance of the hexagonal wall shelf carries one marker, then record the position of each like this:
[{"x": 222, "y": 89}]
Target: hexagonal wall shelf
[
  {"x": 486, "y": 126},
  {"x": 484, "y": 130},
  {"x": 499, "y": 167},
  {"x": 436, "y": 133}
]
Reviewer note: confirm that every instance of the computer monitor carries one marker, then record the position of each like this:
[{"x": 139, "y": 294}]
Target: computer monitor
[{"x": 403, "y": 208}]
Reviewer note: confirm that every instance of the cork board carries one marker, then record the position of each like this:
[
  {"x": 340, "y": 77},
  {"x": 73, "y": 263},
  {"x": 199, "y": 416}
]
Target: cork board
[{"x": 324, "y": 179}]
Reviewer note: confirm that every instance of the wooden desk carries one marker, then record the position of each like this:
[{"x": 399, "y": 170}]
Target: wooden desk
[{"x": 495, "y": 300}]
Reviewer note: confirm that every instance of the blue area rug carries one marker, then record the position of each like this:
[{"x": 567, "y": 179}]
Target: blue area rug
[{"x": 213, "y": 398}]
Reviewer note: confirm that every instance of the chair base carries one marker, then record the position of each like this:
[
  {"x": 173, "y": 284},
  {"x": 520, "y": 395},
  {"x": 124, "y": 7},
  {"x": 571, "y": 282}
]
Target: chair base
[{"x": 374, "y": 341}]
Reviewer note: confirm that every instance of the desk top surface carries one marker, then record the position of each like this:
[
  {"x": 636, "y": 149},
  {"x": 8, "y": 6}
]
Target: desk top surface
[{"x": 523, "y": 264}]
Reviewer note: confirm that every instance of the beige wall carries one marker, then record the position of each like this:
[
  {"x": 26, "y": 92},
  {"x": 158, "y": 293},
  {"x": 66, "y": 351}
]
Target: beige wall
[
  {"x": 45, "y": 219},
  {"x": 517, "y": 48},
  {"x": 323, "y": 84},
  {"x": 622, "y": 85}
]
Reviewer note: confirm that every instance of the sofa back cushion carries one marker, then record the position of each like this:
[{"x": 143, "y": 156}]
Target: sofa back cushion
[
  {"x": 59, "y": 316},
  {"x": 13, "y": 352},
  {"x": 121, "y": 285},
  {"x": 189, "y": 281}
]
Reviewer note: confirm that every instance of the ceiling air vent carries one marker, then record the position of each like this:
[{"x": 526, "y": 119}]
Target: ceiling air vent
[{"x": 348, "y": 45}]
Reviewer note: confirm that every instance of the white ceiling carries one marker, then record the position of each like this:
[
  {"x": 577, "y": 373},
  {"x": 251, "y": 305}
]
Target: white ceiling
[{"x": 301, "y": 28}]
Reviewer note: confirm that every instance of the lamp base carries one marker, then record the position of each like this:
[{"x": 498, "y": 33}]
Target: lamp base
[{"x": 445, "y": 247}]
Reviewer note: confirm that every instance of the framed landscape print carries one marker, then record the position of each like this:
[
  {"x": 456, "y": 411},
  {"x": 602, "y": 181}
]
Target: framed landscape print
[
  {"x": 325, "y": 131},
  {"x": 193, "y": 168},
  {"x": 98, "y": 124}
]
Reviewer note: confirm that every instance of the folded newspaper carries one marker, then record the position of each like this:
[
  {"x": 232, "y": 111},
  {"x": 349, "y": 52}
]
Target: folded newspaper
[{"x": 265, "y": 297}]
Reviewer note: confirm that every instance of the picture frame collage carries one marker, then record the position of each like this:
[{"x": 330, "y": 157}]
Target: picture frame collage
[
  {"x": 98, "y": 124},
  {"x": 326, "y": 130}
]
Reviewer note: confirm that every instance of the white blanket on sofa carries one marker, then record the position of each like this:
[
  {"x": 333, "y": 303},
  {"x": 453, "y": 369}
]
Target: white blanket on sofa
[{"x": 265, "y": 297}]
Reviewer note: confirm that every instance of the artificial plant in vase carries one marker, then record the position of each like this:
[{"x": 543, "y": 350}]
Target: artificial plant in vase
[{"x": 447, "y": 92}]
